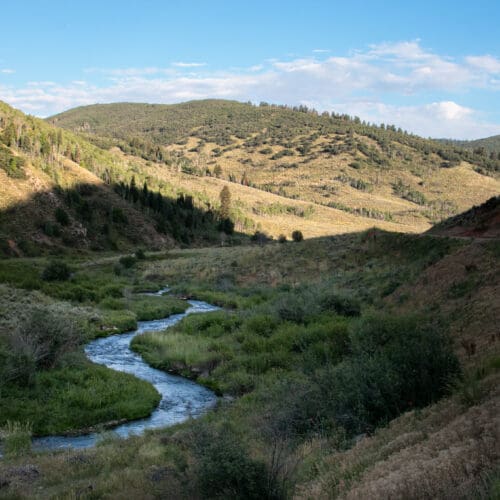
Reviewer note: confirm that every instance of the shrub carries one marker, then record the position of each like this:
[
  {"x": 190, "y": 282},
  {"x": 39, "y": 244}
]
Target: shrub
[
  {"x": 114, "y": 291},
  {"x": 128, "y": 261},
  {"x": 397, "y": 363},
  {"x": 61, "y": 216},
  {"x": 290, "y": 308},
  {"x": 38, "y": 342},
  {"x": 56, "y": 271},
  {"x": 261, "y": 324},
  {"x": 139, "y": 254},
  {"x": 282, "y": 238},
  {"x": 224, "y": 468},
  {"x": 297, "y": 236},
  {"x": 51, "y": 229},
  {"x": 260, "y": 237},
  {"x": 341, "y": 304}
]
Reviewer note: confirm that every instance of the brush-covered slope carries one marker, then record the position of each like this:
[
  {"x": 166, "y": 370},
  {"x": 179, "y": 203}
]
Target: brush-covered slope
[
  {"x": 482, "y": 221},
  {"x": 52, "y": 194},
  {"x": 335, "y": 161},
  {"x": 488, "y": 146}
]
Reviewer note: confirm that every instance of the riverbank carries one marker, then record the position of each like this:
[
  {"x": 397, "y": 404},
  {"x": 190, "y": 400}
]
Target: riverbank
[{"x": 46, "y": 382}]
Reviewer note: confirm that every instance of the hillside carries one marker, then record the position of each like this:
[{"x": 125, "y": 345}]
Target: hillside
[
  {"x": 482, "y": 221},
  {"x": 489, "y": 146},
  {"x": 374, "y": 174},
  {"x": 58, "y": 191}
]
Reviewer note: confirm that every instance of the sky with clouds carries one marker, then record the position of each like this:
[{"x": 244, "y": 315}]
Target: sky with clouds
[{"x": 431, "y": 68}]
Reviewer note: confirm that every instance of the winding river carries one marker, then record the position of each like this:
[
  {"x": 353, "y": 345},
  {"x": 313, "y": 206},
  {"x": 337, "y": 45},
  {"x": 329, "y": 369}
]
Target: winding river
[{"x": 180, "y": 398}]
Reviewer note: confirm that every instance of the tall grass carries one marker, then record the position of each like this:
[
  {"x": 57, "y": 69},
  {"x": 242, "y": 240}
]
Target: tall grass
[{"x": 16, "y": 438}]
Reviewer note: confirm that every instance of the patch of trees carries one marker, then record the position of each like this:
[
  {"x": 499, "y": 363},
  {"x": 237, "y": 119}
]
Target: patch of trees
[
  {"x": 408, "y": 193},
  {"x": 178, "y": 217}
]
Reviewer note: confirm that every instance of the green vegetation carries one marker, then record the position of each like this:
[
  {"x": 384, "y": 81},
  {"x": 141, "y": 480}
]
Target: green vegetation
[
  {"x": 77, "y": 396},
  {"x": 484, "y": 147},
  {"x": 319, "y": 344},
  {"x": 16, "y": 438},
  {"x": 362, "y": 366},
  {"x": 47, "y": 315},
  {"x": 338, "y": 356},
  {"x": 56, "y": 271}
]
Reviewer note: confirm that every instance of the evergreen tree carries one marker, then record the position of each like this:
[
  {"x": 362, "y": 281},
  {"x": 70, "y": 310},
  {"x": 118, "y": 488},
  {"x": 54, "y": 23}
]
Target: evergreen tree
[
  {"x": 77, "y": 154},
  {"x": 144, "y": 195},
  {"x": 225, "y": 203},
  {"x": 217, "y": 171},
  {"x": 134, "y": 192}
]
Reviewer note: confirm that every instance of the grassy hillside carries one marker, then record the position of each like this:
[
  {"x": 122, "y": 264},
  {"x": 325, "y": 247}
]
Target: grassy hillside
[
  {"x": 334, "y": 161},
  {"x": 58, "y": 191}
]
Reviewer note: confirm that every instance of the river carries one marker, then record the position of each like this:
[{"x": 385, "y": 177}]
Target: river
[{"x": 180, "y": 398}]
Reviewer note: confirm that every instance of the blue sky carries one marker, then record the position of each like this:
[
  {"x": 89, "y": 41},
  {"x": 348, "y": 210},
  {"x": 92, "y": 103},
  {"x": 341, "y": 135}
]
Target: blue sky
[{"x": 430, "y": 67}]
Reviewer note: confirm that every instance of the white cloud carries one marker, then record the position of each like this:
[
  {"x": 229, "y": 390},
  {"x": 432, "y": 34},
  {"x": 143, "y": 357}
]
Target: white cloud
[
  {"x": 443, "y": 119},
  {"x": 7, "y": 71},
  {"x": 188, "y": 64},
  {"x": 361, "y": 83},
  {"x": 489, "y": 64}
]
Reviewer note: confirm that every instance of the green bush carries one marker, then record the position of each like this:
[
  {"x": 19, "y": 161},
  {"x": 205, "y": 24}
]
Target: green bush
[
  {"x": 56, "y": 271},
  {"x": 340, "y": 304},
  {"x": 261, "y": 324},
  {"x": 213, "y": 324},
  {"x": 290, "y": 307},
  {"x": 224, "y": 468},
  {"x": 397, "y": 363},
  {"x": 38, "y": 342},
  {"x": 128, "y": 261},
  {"x": 114, "y": 291},
  {"x": 139, "y": 254},
  {"x": 51, "y": 229}
]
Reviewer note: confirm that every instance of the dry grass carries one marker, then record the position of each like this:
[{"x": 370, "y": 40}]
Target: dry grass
[{"x": 313, "y": 178}]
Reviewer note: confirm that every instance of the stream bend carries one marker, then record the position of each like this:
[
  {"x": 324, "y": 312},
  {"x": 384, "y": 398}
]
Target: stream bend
[{"x": 180, "y": 398}]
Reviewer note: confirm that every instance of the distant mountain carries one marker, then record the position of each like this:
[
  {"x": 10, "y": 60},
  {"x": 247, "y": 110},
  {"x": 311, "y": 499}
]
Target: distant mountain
[
  {"x": 352, "y": 173},
  {"x": 490, "y": 146}
]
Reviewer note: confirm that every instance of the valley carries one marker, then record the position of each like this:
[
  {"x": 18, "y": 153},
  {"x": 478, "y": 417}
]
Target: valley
[{"x": 353, "y": 351}]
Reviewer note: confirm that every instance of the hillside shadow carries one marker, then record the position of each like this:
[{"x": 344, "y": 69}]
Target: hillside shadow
[{"x": 102, "y": 217}]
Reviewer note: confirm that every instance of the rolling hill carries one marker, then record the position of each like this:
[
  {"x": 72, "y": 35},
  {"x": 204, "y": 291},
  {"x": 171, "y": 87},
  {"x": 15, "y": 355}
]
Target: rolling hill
[
  {"x": 128, "y": 175},
  {"x": 58, "y": 191},
  {"x": 488, "y": 146},
  {"x": 367, "y": 174}
]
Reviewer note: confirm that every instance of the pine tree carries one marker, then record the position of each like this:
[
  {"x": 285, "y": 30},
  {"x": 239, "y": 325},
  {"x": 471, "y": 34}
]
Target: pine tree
[
  {"x": 134, "y": 192},
  {"x": 217, "y": 171},
  {"x": 144, "y": 195},
  {"x": 77, "y": 154},
  {"x": 225, "y": 203}
]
